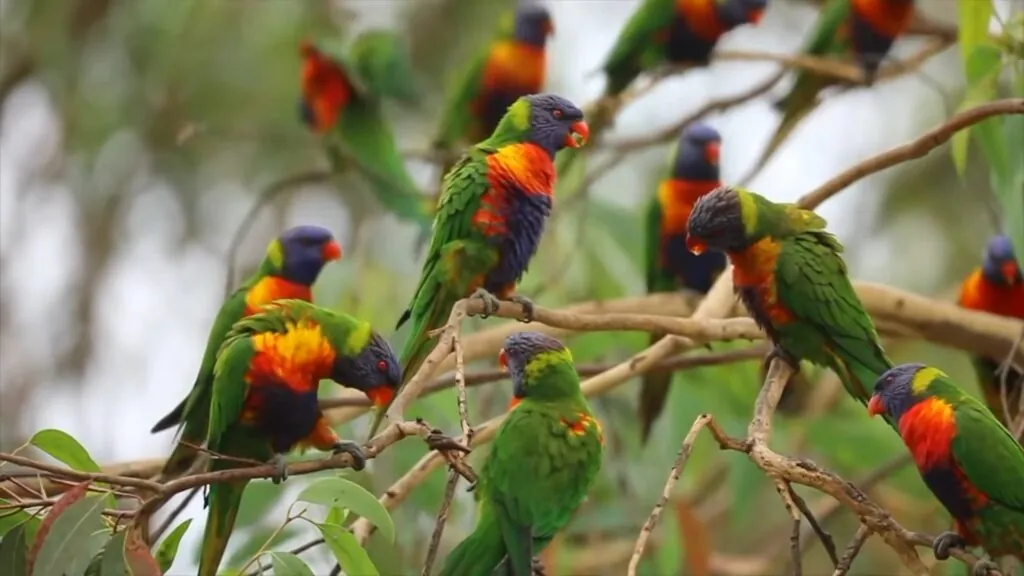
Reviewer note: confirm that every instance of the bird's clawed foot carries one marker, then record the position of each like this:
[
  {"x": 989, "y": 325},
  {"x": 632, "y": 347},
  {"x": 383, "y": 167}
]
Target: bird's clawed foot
[
  {"x": 436, "y": 440},
  {"x": 538, "y": 567},
  {"x": 280, "y": 463},
  {"x": 491, "y": 302},
  {"x": 778, "y": 353},
  {"x": 983, "y": 567},
  {"x": 527, "y": 306},
  {"x": 352, "y": 449},
  {"x": 945, "y": 542}
]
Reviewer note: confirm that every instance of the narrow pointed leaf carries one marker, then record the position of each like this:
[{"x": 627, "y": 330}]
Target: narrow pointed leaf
[
  {"x": 347, "y": 551},
  {"x": 168, "y": 549},
  {"x": 69, "y": 535},
  {"x": 286, "y": 563},
  {"x": 345, "y": 493},
  {"x": 14, "y": 552},
  {"x": 113, "y": 563},
  {"x": 65, "y": 448}
]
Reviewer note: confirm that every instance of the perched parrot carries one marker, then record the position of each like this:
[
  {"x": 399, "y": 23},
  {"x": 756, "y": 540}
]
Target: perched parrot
[
  {"x": 966, "y": 458},
  {"x": 789, "y": 274},
  {"x": 542, "y": 463},
  {"x": 670, "y": 265},
  {"x": 381, "y": 60},
  {"x": 490, "y": 219},
  {"x": 291, "y": 266},
  {"x": 341, "y": 107},
  {"x": 861, "y": 30},
  {"x": 514, "y": 65},
  {"x": 997, "y": 287},
  {"x": 659, "y": 33},
  {"x": 265, "y": 397}
]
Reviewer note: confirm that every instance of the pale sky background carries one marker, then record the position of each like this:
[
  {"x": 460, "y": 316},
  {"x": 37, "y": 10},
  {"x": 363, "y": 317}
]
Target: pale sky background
[{"x": 159, "y": 300}]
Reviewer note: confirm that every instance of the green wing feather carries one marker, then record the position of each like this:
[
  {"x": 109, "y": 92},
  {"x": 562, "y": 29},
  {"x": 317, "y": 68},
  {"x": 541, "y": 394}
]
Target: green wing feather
[
  {"x": 831, "y": 327},
  {"x": 989, "y": 454},
  {"x": 635, "y": 49},
  {"x": 382, "y": 61},
  {"x": 456, "y": 119},
  {"x": 193, "y": 413}
]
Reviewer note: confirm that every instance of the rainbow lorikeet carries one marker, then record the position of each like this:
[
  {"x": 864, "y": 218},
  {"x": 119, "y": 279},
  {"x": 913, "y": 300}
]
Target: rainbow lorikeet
[
  {"x": 967, "y": 459},
  {"x": 265, "y": 396},
  {"x": 512, "y": 66},
  {"x": 863, "y": 30},
  {"x": 490, "y": 218},
  {"x": 347, "y": 110},
  {"x": 292, "y": 264},
  {"x": 997, "y": 287},
  {"x": 789, "y": 274},
  {"x": 670, "y": 265},
  {"x": 543, "y": 461}
]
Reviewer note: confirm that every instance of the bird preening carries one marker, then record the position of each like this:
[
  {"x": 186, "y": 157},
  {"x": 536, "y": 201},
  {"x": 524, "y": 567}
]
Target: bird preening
[{"x": 507, "y": 139}]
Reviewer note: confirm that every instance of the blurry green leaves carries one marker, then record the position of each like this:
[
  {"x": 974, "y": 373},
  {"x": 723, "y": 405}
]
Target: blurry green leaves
[
  {"x": 339, "y": 492},
  {"x": 169, "y": 547},
  {"x": 288, "y": 563},
  {"x": 985, "y": 59},
  {"x": 63, "y": 447},
  {"x": 346, "y": 549},
  {"x": 70, "y": 535}
]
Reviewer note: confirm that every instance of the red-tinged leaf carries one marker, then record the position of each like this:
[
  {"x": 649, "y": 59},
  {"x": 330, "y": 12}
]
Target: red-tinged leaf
[
  {"x": 73, "y": 495},
  {"x": 695, "y": 539},
  {"x": 138, "y": 557}
]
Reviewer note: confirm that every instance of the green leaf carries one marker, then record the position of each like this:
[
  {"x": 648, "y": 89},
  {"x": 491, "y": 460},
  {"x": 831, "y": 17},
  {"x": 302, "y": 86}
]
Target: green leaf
[
  {"x": 11, "y": 519},
  {"x": 337, "y": 515},
  {"x": 14, "y": 551},
  {"x": 65, "y": 448},
  {"x": 169, "y": 547},
  {"x": 70, "y": 537},
  {"x": 113, "y": 562},
  {"x": 342, "y": 492},
  {"x": 983, "y": 67},
  {"x": 973, "y": 17},
  {"x": 288, "y": 564},
  {"x": 350, "y": 555}
]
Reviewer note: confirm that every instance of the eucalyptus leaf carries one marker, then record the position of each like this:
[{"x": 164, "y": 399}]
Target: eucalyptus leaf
[
  {"x": 70, "y": 537},
  {"x": 14, "y": 552},
  {"x": 169, "y": 547},
  {"x": 341, "y": 492},
  {"x": 983, "y": 67},
  {"x": 972, "y": 25},
  {"x": 65, "y": 448},
  {"x": 347, "y": 551},
  {"x": 113, "y": 562},
  {"x": 13, "y": 518},
  {"x": 288, "y": 564}
]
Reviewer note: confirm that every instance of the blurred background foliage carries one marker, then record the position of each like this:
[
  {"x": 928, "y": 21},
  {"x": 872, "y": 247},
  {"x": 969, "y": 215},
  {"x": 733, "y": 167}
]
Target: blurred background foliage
[{"x": 136, "y": 134}]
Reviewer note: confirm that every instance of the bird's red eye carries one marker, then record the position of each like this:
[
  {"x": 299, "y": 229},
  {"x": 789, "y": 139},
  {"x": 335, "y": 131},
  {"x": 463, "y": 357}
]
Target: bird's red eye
[
  {"x": 382, "y": 365},
  {"x": 557, "y": 113}
]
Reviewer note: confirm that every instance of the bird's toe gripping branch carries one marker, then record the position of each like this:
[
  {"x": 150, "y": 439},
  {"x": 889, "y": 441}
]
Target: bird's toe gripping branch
[
  {"x": 984, "y": 567},
  {"x": 437, "y": 440},
  {"x": 527, "y": 306},
  {"x": 280, "y": 463},
  {"x": 945, "y": 542},
  {"x": 789, "y": 359},
  {"x": 538, "y": 567},
  {"x": 491, "y": 302},
  {"x": 352, "y": 449}
]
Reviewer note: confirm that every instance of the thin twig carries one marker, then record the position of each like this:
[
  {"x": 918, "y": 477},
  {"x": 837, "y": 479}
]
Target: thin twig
[
  {"x": 178, "y": 510},
  {"x": 677, "y": 469},
  {"x": 786, "y": 494},
  {"x": 442, "y": 517},
  {"x": 846, "y": 562},
  {"x": 826, "y": 539}
]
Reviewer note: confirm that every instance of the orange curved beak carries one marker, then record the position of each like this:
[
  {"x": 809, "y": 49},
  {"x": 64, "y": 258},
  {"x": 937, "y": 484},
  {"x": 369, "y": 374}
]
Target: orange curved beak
[
  {"x": 876, "y": 406},
  {"x": 695, "y": 245},
  {"x": 578, "y": 135},
  {"x": 381, "y": 396},
  {"x": 712, "y": 151},
  {"x": 1010, "y": 271},
  {"x": 503, "y": 361},
  {"x": 756, "y": 15},
  {"x": 332, "y": 251}
]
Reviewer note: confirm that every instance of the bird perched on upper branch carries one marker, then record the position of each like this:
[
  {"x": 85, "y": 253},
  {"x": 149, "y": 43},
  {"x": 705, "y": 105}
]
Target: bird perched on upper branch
[
  {"x": 347, "y": 110},
  {"x": 997, "y": 287},
  {"x": 542, "y": 463},
  {"x": 292, "y": 264},
  {"x": 264, "y": 399},
  {"x": 861, "y": 30},
  {"x": 693, "y": 172},
  {"x": 788, "y": 272},
  {"x": 966, "y": 457},
  {"x": 490, "y": 219},
  {"x": 512, "y": 66}
]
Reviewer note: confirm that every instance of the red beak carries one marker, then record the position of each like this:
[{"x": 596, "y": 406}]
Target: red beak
[
  {"x": 381, "y": 396},
  {"x": 578, "y": 135},
  {"x": 876, "y": 406},
  {"x": 503, "y": 360},
  {"x": 1010, "y": 272},
  {"x": 712, "y": 151},
  {"x": 756, "y": 15},
  {"x": 696, "y": 245},
  {"x": 514, "y": 402},
  {"x": 332, "y": 251}
]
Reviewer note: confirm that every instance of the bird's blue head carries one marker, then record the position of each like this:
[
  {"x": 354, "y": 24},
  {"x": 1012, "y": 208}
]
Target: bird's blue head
[
  {"x": 697, "y": 154},
  {"x": 375, "y": 370},
  {"x": 898, "y": 389},
  {"x": 738, "y": 12},
  {"x": 534, "y": 25},
  {"x": 551, "y": 121},
  {"x": 301, "y": 253},
  {"x": 541, "y": 367},
  {"x": 1001, "y": 266}
]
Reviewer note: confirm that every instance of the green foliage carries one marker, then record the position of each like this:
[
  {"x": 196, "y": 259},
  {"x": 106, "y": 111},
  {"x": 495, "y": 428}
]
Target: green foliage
[
  {"x": 339, "y": 492},
  {"x": 75, "y": 535},
  {"x": 347, "y": 551},
  {"x": 169, "y": 547},
  {"x": 288, "y": 563},
  {"x": 63, "y": 447},
  {"x": 14, "y": 551}
]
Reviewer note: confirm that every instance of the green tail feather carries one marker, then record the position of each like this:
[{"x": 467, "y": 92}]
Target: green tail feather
[
  {"x": 224, "y": 501},
  {"x": 480, "y": 553},
  {"x": 859, "y": 380},
  {"x": 193, "y": 432}
]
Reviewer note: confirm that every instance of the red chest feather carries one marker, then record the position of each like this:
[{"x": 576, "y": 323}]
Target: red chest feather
[
  {"x": 517, "y": 169},
  {"x": 928, "y": 429},
  {"x": 754, "y": 270},
  {"x": 297, "y": 358},
  {"x": 701, "y": 17},
  {"x": 272, "y": 288},
  {"x": 977, "y": 293},
  {"x": 889, "y": 18},
  {"x": 326, "y": 90},
  {"x": 515, "y": 67}
]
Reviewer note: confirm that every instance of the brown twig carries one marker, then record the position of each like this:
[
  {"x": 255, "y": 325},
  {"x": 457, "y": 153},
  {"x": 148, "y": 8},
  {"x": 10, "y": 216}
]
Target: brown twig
[
  {"x": 677, "y": 469},
  {"x": 824, "y": 537},
  {"x": 846, "y": 562}
]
